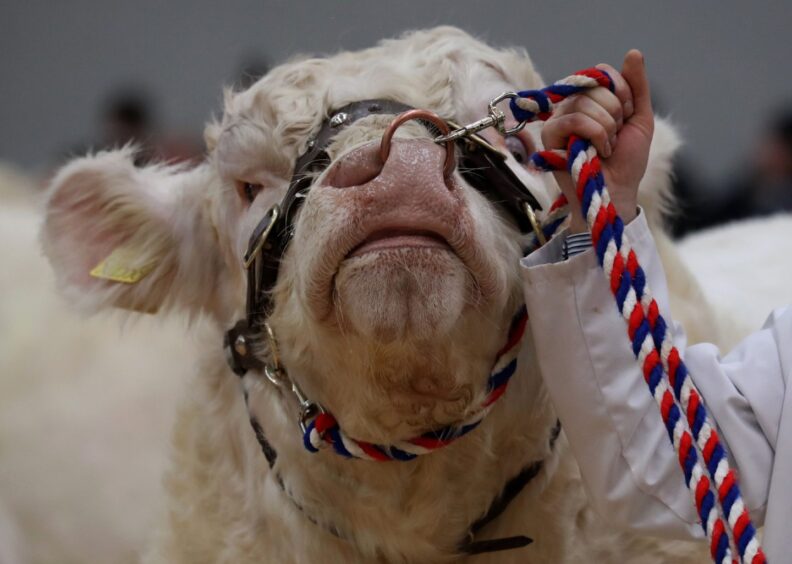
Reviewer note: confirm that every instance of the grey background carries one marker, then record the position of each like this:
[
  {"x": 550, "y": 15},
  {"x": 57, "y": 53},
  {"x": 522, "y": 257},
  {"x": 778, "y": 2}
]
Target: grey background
[{"x": 717, "y": 68}]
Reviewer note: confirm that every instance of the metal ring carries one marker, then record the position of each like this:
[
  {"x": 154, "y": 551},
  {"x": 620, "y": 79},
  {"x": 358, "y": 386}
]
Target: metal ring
[
  {"x": 500, "y": 117},
  {"x": 385, "y": 145},
  {"x": 251, "y": 255},
  {"x": 275, "y": 375},
  {"x": 537, "y": 229},
  {"x": 307, "y": 412}
]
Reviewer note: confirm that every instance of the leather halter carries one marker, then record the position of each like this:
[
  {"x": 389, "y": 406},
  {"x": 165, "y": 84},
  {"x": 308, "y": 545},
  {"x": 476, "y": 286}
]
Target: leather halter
[{"x": 482, "y": 166}]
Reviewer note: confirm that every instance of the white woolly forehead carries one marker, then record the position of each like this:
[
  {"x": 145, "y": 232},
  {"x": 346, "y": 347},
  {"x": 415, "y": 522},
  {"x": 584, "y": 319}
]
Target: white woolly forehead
[{"x": 442, "y": 69}]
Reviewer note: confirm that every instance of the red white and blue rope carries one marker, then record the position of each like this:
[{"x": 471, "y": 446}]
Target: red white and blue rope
[
  {"x": 661, "y": 363},
  {"x": 323, "y": 430}
]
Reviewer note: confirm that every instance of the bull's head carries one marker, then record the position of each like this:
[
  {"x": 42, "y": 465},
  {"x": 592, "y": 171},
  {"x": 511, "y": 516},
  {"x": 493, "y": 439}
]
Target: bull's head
[{"x": 398, "y": 286}]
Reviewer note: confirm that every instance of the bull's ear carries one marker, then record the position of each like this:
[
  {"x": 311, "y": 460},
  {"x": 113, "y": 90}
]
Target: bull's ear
[{"x": 135, "y": 238}]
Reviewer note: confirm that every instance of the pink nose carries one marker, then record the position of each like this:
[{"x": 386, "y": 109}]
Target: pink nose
[
  {"x": 409, "y": 161},
  {"x": 398, "y": 159}
]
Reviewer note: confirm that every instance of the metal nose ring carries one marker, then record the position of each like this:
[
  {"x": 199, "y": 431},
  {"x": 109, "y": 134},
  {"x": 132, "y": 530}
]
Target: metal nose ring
[{"x": 426, "y": 115}]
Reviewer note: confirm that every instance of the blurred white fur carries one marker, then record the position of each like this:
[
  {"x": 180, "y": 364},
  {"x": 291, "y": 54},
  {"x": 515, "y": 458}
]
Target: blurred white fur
[
  {"x": 86, "y": 408},
  {"x": 745, "y": 269}
]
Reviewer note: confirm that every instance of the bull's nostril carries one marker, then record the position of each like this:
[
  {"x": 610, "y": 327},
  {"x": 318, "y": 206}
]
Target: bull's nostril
[
  {"x": 359, "y": 167},
  {"x": 426, "y": 115}
]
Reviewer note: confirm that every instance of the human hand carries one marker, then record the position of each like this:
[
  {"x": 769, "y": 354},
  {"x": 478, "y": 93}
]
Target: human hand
[{"x": 619, "y": 124}]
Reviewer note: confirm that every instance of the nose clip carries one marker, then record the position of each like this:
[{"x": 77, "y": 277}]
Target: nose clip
[{"x": 425, "y": 115}]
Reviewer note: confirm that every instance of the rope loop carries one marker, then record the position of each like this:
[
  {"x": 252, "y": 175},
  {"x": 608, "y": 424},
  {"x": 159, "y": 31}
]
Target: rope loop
[
  {"x": 324, "y": 431},
  {"x": 539, "y": 104}
]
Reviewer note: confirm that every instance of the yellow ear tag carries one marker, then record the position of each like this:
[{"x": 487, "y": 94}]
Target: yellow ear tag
[{"x": 116, "y": 267}]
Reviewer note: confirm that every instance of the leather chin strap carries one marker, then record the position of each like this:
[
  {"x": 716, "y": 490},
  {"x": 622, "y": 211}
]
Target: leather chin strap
[
  {"x": 483, "y": 167},
  {"x": 510, "y": 490}
]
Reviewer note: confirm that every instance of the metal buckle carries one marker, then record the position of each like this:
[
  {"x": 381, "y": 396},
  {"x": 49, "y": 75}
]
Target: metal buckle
[
  {"x": 476, "y": 139},
  {"x": 501, "y": 118},
  {"x": 254, "y": 251},
  {"x": 496, "y": 119},
  {"x": 276, "y": 374},
  {"x": 537, "y": 229}
]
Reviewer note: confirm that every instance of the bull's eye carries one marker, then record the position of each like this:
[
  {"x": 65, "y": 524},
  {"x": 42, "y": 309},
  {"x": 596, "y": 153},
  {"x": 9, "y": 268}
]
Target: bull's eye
[
  {"x": 250, "y": 190},
  {"x": 517, "y": 148}
]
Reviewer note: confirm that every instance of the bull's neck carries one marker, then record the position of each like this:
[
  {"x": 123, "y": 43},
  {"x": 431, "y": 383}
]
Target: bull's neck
[{"x": 361, "y": 499}]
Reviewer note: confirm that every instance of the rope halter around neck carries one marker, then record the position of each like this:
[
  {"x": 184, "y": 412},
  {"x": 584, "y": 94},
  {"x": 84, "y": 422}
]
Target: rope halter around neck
[
  {"x": 324, "y": 429},
  {"x": 712, "y": 483}
]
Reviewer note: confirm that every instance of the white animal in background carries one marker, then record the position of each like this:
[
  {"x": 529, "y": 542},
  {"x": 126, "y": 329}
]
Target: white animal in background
[
  {"x": 745, "y": 269},
  {"x": 86, "y": 408},
  {"x": 391, "y": 302}
]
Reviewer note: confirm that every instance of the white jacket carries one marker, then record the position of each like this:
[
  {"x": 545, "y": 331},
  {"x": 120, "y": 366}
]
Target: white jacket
[{"x": 613, "y": 424}]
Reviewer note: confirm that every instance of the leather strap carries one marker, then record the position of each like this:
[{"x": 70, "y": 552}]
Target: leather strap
[
  {"x": 486, "y": 170},
  {"x": 510, "y": 491},
  {"x": 316, "y": 156}
]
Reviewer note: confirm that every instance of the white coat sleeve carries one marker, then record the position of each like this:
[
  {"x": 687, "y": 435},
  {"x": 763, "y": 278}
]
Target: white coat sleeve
[{"x": 612, "y": 423}]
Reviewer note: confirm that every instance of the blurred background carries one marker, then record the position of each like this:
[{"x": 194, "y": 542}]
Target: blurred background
[
  {"x": 84, "y": 416},
  {"x": 87, "y": 73}
]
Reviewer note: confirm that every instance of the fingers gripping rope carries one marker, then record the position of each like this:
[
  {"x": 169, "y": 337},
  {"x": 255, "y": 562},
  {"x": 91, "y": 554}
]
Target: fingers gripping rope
[{"x": 681, "y": 406}]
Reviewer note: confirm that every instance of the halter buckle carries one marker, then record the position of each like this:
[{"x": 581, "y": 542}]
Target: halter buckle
[{"x": 255, "y": 247}]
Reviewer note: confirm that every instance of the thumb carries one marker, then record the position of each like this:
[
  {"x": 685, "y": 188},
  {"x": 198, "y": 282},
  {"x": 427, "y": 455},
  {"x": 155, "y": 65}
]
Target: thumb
[{"x": 634, "y": 72}]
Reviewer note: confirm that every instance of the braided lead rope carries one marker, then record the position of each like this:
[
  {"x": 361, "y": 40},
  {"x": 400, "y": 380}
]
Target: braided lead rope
[
  {"x": 649, "y": 334},
  {"x": 324, "y": 429},
  {"x": 714, "y": 526}
]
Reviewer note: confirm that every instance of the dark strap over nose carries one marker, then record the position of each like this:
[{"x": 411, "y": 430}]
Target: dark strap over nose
[
  {"x": 316, "y": 155},
  {"x": 485, "y": 168}
]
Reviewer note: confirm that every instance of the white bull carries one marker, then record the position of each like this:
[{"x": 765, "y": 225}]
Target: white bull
[
  {"x": 86, "y": 408},
  {"x": 391, "y": 302}
]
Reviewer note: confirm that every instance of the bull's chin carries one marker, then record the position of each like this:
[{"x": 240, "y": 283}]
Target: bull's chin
[{"x": 402, "y": 293}]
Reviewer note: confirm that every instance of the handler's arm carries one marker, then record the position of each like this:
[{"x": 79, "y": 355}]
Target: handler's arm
[{"x": 610, "y": 419}]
